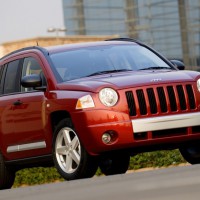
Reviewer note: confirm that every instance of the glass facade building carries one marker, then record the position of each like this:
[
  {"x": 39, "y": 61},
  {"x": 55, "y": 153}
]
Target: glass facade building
[
  {"x": 170, "y": 26},
  {"x": 92, "y": 17}
]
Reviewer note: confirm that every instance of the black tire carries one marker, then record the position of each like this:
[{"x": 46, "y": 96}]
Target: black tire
[
  {"x": 114, "y": 164},
  {"x": 7, "y": 176},
  {"x": 191, "y": 153},
  {"x": 70, "y": 158}
]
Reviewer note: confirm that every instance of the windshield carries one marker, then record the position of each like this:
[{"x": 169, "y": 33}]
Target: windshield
[{"x": 92, "y": 61}]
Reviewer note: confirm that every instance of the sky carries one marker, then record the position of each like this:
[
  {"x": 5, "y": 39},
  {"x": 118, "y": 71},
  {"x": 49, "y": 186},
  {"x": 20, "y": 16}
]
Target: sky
[{"x": 22, "y": 19}]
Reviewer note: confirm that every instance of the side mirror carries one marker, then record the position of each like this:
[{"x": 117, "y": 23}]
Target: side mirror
[
  {"x": 33, "y": 81},
  {"x": 177, "y": 63}
]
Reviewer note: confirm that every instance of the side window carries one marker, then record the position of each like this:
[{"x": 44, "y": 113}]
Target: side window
[
  {"x": 1, "y": 78},
  {"x": 32, "y": 66},
  {"x": 11, "y": 84}
]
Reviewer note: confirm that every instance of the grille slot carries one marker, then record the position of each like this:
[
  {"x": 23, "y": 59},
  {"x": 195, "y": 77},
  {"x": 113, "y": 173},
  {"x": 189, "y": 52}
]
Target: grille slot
[
  {"x": 172, "y": 98},
  {"x": 131, "y": 103},
  {"x": 142, "y": 102},
  {"x": 152, "y": 100},
  {"x": 190, "y": 96},
  {"x": 181, "y": 97},
  {"x": 162, "y": 99},
  {"x": 156, "y": 100}
]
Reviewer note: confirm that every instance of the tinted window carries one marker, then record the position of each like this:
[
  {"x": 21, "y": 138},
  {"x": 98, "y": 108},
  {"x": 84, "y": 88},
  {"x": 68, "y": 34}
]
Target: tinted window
[{"x": 11, "y": 84}]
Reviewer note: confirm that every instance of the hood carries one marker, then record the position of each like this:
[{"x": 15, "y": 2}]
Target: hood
[{"x": 124, "y": 80}]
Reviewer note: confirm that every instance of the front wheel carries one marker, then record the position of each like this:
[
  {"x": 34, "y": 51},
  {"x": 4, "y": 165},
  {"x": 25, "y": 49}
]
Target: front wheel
[
  {"x": 117, "y": 163},
  {"x": 70, "y": 158},
  {"x": 191, "y": 153}
]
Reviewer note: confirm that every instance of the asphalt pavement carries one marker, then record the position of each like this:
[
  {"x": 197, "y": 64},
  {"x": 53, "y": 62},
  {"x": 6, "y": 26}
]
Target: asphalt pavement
[{"x": 177, "y": 183}]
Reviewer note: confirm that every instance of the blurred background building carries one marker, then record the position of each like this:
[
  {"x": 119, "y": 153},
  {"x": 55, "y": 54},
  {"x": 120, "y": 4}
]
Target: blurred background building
[{"x": 170, "y": 26}]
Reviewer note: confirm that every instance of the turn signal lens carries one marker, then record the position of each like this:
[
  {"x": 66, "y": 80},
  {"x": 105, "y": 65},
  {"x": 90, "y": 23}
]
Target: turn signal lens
[{"x": 85, "y": 102}]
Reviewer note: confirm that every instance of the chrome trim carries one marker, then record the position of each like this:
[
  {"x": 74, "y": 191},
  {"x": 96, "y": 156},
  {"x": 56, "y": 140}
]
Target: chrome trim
[
  {"x": 25, "y": 147},
  {"x": 156, "y": 80},
  {"x": 166, "y": 122}
]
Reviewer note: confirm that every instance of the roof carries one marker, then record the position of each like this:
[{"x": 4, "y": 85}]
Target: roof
[{"x": 54, "y": 49}]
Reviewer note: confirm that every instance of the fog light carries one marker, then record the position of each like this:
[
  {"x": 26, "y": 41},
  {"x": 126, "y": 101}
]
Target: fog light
[{"x": 106, "y": 138}]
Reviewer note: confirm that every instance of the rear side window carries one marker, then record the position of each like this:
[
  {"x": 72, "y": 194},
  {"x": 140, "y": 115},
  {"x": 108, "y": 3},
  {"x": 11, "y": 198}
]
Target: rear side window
[{"x": 11, "y": 84}]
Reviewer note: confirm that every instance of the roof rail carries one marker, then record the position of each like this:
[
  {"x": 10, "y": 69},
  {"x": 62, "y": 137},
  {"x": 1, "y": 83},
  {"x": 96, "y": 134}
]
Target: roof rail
[
  {"x": 125, "y": 39},
  {"x": 43, "y": 50}
]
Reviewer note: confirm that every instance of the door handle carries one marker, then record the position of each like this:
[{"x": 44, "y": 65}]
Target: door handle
[{"x": 17, "y": 103}]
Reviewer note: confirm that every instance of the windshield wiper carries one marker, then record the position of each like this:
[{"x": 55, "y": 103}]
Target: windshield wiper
[
  {"x": 158, "y": 67},
  {"x": 108, "y": 71}
]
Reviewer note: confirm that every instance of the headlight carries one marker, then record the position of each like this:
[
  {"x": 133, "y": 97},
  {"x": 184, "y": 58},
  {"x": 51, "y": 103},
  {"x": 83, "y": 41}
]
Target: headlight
[
  {"x": 198, "y": 84},
  {"x": 108, "y": 97},
  {"x": 85, "y": 102}
]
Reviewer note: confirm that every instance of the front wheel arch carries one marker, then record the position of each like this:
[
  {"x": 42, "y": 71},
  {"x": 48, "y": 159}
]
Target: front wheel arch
[{"x": 57, "y": 116}]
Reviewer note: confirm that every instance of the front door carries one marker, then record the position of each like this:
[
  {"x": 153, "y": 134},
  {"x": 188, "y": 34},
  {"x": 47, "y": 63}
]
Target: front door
[{"x": 24, "y": 120}]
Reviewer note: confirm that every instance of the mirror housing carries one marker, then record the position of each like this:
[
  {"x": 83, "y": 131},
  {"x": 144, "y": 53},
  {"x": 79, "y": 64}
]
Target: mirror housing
[
  {"x": 177, "y": 63},
  {"x": 32, "y": 81}
]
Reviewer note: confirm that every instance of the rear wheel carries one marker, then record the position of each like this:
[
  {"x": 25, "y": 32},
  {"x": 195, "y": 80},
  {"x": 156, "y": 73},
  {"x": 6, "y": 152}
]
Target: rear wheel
[
  {"x": 114, "y": 164},
  {"x": 7, "y": 176},
  {"x": 191, "y": 153},
  {"x": 70, "y": 158}
]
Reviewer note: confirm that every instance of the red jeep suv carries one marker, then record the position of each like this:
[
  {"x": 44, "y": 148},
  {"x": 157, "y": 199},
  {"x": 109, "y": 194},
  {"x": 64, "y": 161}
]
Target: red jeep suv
[{"x": 80, "y": 106}]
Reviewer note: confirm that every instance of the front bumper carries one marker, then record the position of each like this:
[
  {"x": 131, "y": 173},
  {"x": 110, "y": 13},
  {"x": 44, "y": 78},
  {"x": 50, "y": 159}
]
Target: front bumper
[{"x": 130, "y": 134}]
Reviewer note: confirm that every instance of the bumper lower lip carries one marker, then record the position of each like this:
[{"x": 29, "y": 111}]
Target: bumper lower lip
[{"x": 166, "y": 122}]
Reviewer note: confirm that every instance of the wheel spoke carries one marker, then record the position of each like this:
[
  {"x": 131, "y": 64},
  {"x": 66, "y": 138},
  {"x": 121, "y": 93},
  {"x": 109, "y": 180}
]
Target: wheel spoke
[
  {"x": 75, "y": 157},
  {"x": 68, "y": 150},
  {"x": 61, "y": 150},
  {"x": 66, "y": 136},
  {"x": 75, "y": 142},
  {"x": 68, "y": 163}
]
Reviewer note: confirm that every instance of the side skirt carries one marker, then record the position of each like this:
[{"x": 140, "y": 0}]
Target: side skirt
[{"x": 40, "y": 161}]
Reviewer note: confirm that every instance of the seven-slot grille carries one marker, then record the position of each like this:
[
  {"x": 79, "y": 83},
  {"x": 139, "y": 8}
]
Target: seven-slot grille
[{"x": 161, "y": 99}]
